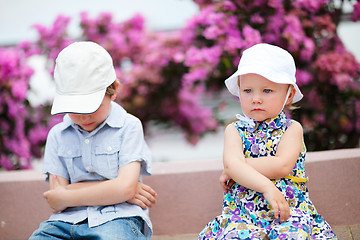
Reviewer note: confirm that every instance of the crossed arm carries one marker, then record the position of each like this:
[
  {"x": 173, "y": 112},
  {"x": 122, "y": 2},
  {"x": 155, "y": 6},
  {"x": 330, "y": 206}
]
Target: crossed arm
[
  {"x": 255, "y": 173},
  {"x": 124, "y": 188}
]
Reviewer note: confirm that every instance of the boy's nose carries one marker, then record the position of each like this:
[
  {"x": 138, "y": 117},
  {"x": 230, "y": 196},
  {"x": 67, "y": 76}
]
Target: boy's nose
[{"x": 84, "y": 117}]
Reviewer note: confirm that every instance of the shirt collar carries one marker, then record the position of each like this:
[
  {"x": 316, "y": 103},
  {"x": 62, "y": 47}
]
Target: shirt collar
[
  {"x": 272, "y": 123},
  {"x": 117, "y": 116}
]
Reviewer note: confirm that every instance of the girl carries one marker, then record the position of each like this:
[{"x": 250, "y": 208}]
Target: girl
[{"x": 264, "y": 156}]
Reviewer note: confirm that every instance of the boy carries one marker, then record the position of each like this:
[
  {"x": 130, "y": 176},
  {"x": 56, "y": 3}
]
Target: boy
[{"x": 94, "y": 158}]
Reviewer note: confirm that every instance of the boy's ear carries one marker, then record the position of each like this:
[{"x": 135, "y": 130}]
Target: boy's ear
[{"x": 117, "y": 84}]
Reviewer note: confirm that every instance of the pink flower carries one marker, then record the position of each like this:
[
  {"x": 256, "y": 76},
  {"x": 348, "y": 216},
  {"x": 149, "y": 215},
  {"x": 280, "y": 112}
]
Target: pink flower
[
  {"x": 303, "y": 77},
  {"x": 205, "y": 58},
  {"x": 19, "y": 89},
  {"x": 307, "y": 52},
  {"x": 213, "y": 32},
  {"x": 38, "y": 134},
  {"x": 6, "y": 162},
  {"x": 293, "y": 32},
  {"x": 355, "y": 16},
  {"x": 234, "y": 42},
  {"x": 342, "y": 80},
  {"x": 196, "y": 74},
  {"x": 257, "y": 19},
  {"x": 311, "y": 5},
  {"x": 229, "y": 6},
  {"x": 28, "y": 48},
  {"x": 251, "y": 36}
]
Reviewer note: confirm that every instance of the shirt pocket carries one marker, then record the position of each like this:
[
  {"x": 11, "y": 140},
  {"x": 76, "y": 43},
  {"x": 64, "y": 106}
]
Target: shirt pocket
[
  {"x": 71, "y": 157},
  {"x": 106, "y": 161}
]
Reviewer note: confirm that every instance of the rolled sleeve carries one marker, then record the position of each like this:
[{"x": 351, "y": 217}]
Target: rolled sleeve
[
  {"x": 53, "y": 164},
  {"x": 134, "y": 147}
]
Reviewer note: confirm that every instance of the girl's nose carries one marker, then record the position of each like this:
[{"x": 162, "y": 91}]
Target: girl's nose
[{"x": 257, "y": 98}]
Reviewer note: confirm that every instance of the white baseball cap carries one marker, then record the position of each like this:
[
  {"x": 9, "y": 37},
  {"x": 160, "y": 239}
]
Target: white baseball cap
[
  {"x": 269, "y": 61},
  {"x": 83, "y": 71}
]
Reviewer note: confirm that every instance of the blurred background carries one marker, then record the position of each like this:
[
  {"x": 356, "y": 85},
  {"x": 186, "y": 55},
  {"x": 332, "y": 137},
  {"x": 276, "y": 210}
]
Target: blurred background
[{"x": 193, "y": 132}]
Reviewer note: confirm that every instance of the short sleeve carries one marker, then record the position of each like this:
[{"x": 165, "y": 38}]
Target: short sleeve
[
  {"x": 134, "y": 147},
  {"x": 52, "y": 162}
]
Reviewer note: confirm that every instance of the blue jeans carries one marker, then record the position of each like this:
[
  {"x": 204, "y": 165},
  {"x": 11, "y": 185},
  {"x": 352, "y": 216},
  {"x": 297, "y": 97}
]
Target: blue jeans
[{"x": 122, "y": 228}]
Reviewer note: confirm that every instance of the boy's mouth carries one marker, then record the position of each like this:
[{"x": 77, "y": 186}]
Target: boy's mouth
[{"x": 87, "y": 124}]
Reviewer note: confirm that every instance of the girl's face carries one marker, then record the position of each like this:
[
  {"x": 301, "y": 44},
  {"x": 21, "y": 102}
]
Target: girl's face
[
  {"x": 89, "y": 122},
  {"x": 260, "y": 98}
]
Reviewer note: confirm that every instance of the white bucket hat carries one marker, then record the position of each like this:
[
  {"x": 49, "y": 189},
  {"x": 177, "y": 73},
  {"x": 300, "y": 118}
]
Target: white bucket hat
[
  {"x": 269, "y": 61},
  {"x": 83, "y": 71}
]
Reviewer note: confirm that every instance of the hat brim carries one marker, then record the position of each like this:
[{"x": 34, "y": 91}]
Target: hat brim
[
  {"x": 232, "y": 85},
  {"x": 80, "y": 104}
]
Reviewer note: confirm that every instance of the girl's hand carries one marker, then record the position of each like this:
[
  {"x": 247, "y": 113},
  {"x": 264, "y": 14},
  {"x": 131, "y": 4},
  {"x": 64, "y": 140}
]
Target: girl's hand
[
  {"x": 144, "y": 196},
  {"x": 225, "y": 181},
  {"x": 56, "y": 197},
  {"x": 277, "y": 200}
]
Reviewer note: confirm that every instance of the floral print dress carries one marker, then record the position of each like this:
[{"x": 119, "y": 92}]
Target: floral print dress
[{"x": 247, "y": 215}]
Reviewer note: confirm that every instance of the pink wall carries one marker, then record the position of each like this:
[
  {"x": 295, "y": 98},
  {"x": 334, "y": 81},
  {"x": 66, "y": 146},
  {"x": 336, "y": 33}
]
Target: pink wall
[{"x": 189, "y": 194}]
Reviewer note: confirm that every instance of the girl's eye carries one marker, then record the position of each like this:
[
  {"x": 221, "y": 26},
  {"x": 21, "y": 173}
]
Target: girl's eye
[
  {"x": 267, "y": 90},
  {"x": 247, "y": 90}
]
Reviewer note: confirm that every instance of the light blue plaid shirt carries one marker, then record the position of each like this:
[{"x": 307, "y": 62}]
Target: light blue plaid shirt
[{"x": 80, "y": 156}]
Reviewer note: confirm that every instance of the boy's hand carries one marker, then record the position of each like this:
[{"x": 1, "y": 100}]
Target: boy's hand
[
  {"x": 277, "y": 200},
  {"x": 144, "y": 196},
  {"x": 225, "y": 181},
  {"x": 56, "y": 196}
]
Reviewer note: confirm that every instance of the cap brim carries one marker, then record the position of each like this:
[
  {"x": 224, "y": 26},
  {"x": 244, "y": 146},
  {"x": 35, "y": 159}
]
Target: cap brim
[{"x": 81, "y": 104}]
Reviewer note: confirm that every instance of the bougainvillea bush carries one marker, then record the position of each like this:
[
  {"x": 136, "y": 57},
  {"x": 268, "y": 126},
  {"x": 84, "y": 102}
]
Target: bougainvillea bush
[
  {"x": 165, "y": 76},
  {"x": 327, "y": 73},
  {"x": 23, "y": 128}
]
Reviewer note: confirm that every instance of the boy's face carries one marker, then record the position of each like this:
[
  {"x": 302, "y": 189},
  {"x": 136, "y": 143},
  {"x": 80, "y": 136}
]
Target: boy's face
[
  {"x": 260, "y": 98},
  {"x": 89, "y": 122}
]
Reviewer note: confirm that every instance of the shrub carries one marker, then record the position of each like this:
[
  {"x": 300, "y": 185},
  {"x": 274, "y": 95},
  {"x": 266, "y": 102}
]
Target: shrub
[{"x": 165, "y": 75}]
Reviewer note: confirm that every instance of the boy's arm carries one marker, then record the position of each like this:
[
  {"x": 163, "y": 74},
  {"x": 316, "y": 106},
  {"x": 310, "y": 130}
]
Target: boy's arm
[
  {"x": 55, "y": 181},
  {"x": 108, "y": 192},
  {"x": 237, "y": 169},
  {"x": 144, "y": 197},
  {"x": 287, "y": 153}
]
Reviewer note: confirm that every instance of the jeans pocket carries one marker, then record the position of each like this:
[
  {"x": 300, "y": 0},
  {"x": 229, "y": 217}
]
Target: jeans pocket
[
  {"x": 122, "y": 228},
  {"x": 137, "y": 225},
  {"x": 51, "y": 230}
]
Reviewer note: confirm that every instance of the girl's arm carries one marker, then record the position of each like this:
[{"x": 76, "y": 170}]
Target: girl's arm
[
  {"x": 120, "y": 189},
  {"x": 287, "y": 153},
  {"x": 244, "y": 174}
]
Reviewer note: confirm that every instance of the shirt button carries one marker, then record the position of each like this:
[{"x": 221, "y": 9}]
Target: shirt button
[
  {"x": 69, "y": 152},
  {"x": 109, "y": 148},
  {"x": 88, "y": 169},
  {"x": 87, "y": 141}
]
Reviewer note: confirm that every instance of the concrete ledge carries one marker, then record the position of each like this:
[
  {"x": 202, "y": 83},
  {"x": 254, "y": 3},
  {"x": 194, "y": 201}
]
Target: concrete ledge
[{"x": 189, "y": 194}]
